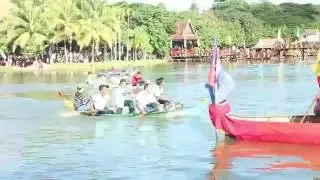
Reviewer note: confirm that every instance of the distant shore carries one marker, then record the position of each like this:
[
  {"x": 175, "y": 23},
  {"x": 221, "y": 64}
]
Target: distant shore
[{"x": 85, "y": 67}]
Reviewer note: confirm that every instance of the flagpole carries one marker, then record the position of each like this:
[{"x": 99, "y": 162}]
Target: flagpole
[
  {"x": 212, "y": 84},
  {"x": 215, "y": 46}
]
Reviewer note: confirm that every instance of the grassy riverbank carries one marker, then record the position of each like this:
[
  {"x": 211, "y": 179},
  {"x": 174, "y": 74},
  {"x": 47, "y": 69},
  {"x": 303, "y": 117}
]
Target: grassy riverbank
[{"x": 84, "y": 67}]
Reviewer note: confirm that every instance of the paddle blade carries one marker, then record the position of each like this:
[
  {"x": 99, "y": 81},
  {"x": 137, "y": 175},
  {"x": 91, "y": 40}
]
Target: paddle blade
[
  {"x": 60, "y": 93},
  {"x": 68, "y": 104},
  {"x": 204, "y": 101}
]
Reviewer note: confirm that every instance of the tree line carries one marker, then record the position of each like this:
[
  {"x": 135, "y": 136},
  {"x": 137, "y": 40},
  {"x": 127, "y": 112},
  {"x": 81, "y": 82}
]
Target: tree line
[{"x": 133, "y": 31}]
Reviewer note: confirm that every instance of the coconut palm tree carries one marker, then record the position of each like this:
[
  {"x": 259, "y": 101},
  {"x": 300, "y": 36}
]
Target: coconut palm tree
[
  {"x": 3, "y": 38},
  {"x": 28, "y": 26},
  {"x": 128, "y": 13},
  {"x": 96, "y": 24},
  {"x": 3, "y": 45},
  {"x": 141, "y": 41},
  {"x": 119, "y": 14},
  {"x": 63, "y": 16}
]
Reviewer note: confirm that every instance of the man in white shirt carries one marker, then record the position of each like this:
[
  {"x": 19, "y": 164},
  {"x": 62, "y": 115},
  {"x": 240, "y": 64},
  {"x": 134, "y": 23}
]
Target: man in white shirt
[
  {"x": 146, "y": 102},
  {"x": 158, "y": 90},
  {"x": 100, "y": 101},
  {"x": 120, "y": 98}
]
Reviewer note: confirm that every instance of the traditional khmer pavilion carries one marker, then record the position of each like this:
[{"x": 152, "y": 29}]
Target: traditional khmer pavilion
[{"x": 185, "y": 41}]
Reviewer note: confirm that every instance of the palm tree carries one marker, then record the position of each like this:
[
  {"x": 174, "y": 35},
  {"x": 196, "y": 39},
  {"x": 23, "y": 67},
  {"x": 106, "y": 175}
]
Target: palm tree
[
  {"x": 63, "y": 19},
  {"x": 3, "y": 44},
  {"x": 141, "y": 41},
  {"x": 3, "y": 37},
  {"x": 96, "y": 24},
  {"x": 128, "y": 14},
  {"x": 28, "y": 27},
  {"x": 120, "y": 16}
]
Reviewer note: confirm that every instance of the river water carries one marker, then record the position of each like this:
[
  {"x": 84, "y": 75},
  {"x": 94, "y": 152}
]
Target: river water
[{"x": 39, "y": 139}]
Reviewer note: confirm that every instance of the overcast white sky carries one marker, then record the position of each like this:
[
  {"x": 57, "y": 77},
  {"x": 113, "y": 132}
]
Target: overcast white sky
[{"x": 203, "y": 4}]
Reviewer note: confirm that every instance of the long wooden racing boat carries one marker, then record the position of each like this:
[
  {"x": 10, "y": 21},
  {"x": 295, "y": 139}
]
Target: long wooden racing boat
[
  {"x": 177, "y": 112},
  {"x": 270, "y": 129},
  {"x": 182, "y": 111}
]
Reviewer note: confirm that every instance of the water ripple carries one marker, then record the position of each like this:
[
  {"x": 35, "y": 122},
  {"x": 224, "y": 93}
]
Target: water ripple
[{"x": 36, "y": 142}]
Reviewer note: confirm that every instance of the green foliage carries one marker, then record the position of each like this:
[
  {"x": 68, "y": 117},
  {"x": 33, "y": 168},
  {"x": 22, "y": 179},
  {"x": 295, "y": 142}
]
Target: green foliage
[
  {"x": 96, "y": 23},
  {"x": 157, "y": 22},
  {"x": 141, "y": 39},
  {"x": 3, "y": 38},
  {"x": 28, "y": 27},
  {"x": 63, "y": 17}
]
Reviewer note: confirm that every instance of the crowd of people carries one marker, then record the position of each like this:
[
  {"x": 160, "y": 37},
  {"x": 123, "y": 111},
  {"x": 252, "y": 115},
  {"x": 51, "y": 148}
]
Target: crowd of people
[{"x": 132, "y": 94}]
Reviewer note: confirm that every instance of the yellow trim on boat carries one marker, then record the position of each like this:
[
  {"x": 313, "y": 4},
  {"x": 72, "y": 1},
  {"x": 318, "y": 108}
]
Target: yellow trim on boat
[
  {"x": 68, "y": 104},
  {"x": 316, "y": 67}
]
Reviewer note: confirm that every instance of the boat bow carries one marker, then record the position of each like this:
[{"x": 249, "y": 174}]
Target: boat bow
[{"x": 261, "y": 130}]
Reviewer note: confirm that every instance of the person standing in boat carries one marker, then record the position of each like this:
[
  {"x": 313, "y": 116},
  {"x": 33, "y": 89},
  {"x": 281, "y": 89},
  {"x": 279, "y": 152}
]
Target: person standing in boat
[
  {"x": 145, "y": 100},
  {"x": 101, "y": 100},
  {"x": 120, "y": 98},
  {"x": 316, "y": 109},
  {"x": 79, "y": 102}
]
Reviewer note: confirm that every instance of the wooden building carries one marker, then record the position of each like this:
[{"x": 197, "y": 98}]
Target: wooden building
[
  {"x": 266, "y": 49},
  {"x": 185, "y": 42},
  {"x": 310, "y": 36}
]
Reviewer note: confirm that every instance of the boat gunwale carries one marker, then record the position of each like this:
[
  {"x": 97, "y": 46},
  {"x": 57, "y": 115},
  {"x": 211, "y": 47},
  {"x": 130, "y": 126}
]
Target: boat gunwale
[{"x": 281, "y": 119}]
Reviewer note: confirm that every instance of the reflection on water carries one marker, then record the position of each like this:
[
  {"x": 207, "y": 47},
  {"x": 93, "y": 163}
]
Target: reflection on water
[
  {"x": 186, "y": 73},
  {"x": 242, "y": 160},
  {"x": 280, "y": 74},
  {"x": 41, "y": 140}
]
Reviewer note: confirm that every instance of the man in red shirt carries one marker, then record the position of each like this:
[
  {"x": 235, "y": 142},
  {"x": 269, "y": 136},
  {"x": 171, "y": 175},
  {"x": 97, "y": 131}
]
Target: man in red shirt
[{"x": 136, "y": 79}]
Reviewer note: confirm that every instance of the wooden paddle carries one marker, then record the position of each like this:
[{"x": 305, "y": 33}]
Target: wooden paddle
[
  {"x": 60, "y": 94},
  {"x": 67, "y": 103},
  {"x": 308, "y": 110}
]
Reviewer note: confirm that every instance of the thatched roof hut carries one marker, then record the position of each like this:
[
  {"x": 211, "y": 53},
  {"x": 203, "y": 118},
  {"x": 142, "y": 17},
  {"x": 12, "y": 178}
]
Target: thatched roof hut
[{"x": 268, "y": 43}]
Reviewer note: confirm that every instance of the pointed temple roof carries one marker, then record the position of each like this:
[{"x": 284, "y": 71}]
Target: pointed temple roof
[{"x": 185, "y": 31}]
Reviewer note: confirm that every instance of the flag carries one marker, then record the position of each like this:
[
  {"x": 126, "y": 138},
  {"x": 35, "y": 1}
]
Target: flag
[
  {"x": 279, "y": 34},
  {"x": 316, "y": 68},
  {"x": 220, "y": 83}
]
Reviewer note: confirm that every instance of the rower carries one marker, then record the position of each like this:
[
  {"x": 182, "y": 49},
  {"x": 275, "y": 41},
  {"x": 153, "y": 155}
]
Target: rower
[
  {"x": 79, "y": 102},
  {"x": 158, "y": 90},
  {"x": 100, "y": 100},
  {"x": 120, "y": 98},
  {"x": 137, "y": 79},
  {"x": 145, "y": 100}
]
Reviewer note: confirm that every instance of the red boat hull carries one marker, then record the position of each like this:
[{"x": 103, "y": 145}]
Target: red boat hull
[{"x": 244, "y": 129}]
